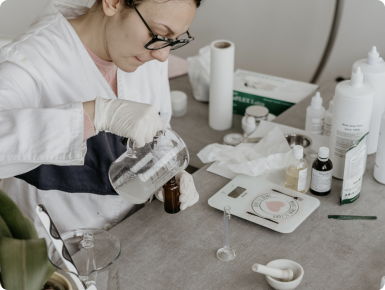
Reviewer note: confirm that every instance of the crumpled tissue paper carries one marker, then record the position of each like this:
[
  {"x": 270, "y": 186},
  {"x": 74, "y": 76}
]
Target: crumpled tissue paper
[{"x": 270, "y": 154}]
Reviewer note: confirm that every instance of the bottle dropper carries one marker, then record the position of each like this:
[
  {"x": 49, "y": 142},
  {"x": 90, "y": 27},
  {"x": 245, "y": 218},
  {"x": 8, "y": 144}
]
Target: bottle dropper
[{"x": 374, "y": 57}]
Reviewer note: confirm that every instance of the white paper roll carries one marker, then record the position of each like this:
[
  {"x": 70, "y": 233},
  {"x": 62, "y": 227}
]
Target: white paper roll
[{"x": 221, "y": 85}]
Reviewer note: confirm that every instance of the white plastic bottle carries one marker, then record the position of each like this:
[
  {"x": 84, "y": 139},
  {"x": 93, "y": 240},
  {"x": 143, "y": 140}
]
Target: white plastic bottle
[
  {"x": 379, "y": 165},
  {"x": 352, "y": 112},
  {"x": 373, "y": 69},
  {"x": 296, "y": 171},
  {"x": 328, "y": 119},
  {"x": 315, "y": 114},
  {"x": 248, "y": 125}
]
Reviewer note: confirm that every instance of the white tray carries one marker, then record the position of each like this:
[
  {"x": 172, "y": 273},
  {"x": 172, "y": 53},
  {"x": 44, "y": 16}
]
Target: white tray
[{"x": 268, "y": 208}]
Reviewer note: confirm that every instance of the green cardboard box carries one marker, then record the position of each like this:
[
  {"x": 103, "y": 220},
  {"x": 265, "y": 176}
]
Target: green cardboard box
[{"x": 276, "y": 94}]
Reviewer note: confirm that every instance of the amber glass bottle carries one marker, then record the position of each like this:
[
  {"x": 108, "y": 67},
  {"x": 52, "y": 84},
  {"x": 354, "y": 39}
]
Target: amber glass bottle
[
  {"x": 171, "y": 196},
  {"x": 321, "y": 180}
]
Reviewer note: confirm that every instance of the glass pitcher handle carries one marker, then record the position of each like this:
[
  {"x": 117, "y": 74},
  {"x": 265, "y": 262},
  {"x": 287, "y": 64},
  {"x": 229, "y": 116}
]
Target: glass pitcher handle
[{"x": 131, "y": 147}]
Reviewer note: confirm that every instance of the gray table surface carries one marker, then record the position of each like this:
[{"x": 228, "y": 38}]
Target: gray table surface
[{"x": 162, "y": 251}]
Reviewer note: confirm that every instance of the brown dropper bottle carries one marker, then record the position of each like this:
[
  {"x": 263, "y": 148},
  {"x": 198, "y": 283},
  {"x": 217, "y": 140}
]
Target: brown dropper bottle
[
  {"x": 321, "y": 176},
  {"x": 171, "y": 196}
]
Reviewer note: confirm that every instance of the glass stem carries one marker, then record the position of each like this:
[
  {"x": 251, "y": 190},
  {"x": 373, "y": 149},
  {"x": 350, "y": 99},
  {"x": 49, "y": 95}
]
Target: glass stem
[
  {"x": 88, "y": 244},
  {"x": 226, "y": 229}
]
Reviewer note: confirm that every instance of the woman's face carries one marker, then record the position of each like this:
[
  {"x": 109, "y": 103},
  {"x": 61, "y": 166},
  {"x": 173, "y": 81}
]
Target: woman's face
[{"x": 126, "y": 34}]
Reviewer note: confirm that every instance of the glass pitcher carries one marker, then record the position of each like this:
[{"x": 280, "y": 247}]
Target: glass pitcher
[
  {"x": 141, "y": 172},
  {"x": 95, "y": 253}
]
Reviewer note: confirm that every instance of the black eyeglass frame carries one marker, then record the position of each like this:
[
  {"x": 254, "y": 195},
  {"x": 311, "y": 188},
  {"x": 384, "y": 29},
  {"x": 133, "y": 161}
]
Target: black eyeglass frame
[{"x": 156, "y": 38}]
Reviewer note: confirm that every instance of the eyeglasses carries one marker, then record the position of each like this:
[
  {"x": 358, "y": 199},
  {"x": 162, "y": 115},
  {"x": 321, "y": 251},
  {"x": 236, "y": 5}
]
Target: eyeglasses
[{"x": 159, "y": 42}]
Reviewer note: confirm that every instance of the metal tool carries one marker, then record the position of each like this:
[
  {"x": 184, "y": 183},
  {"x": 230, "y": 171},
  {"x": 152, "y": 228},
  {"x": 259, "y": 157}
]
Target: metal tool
[
  {"x": 262, "y": 217},
  {"x": 295, "y": 197},
  {"x": 351, "y": 217}
]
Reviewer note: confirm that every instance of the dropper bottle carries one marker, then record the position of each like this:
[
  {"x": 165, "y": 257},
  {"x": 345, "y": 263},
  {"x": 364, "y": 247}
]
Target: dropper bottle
[
  {"x": 352, "y": 113},
  {"x": 321, "y": 174},
  {"x": 328, "y": 119},
  {"x": 296, "y": 171},
  {"x": 171, "y": 196},
  {"x": 373, "y": 69},
  {"x": 315, "y": 114}
]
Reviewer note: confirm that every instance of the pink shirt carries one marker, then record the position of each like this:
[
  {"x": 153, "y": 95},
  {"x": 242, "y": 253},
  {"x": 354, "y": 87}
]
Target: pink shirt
[{"x": 109, "y": 70}]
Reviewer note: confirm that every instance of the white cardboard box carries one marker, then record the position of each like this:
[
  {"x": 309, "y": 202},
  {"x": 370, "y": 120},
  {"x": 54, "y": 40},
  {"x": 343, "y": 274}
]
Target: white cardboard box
[{"x": 275, "y": 93}]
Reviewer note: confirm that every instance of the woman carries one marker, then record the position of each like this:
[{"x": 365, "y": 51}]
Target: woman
[{"x": 78, "y": 74}]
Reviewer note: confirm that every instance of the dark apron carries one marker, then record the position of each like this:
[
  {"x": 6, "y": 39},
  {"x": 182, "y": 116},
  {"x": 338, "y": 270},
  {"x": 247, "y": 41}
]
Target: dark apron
[{"x": 92, "y": 177}]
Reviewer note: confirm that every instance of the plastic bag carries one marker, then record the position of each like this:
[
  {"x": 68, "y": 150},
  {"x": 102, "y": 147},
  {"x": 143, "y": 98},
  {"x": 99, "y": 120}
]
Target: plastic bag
[{"x": 199, "y": 74}]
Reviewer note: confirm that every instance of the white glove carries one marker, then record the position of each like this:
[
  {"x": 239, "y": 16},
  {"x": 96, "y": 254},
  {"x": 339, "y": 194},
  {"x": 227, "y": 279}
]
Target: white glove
[
  {"x": 188, "y": 194},
  {"x": 137, "y": 121}
]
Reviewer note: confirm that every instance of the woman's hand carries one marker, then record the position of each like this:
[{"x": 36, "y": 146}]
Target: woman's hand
[
  {"x": 188, "y": 194},
  {"x": 137, "y": 121}
]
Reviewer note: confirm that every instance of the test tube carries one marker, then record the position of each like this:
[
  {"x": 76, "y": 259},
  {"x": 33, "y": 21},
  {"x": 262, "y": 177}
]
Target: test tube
[{"x": 226, "y": 253}]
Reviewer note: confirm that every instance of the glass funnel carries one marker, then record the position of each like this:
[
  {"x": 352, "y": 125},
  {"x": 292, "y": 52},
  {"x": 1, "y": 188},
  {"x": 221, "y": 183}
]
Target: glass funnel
[
  {"x": 95, "y": 253},
  {"x": 139, "y": 173}
]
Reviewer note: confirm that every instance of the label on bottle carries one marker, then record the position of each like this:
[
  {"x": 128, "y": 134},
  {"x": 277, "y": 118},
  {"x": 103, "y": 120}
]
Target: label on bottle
[
  {"x": 317, "y": 125},
  {"x": 327, "y": 129},
  {"x": 354, "y": 169},
  {"x": 379, "y": 165},
  {"x": 321, "y": 181},
  {"x": 346, "y": 137},
  {"x": 302, "y": 178}
]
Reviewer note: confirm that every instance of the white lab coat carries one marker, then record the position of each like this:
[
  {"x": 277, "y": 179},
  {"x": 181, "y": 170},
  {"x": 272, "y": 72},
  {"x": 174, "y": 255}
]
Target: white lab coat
[{"x": 45, "y": 75}]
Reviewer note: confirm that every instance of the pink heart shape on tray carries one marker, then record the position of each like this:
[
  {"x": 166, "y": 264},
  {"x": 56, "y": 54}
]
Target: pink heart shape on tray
[{"x": 275, "y": 206}]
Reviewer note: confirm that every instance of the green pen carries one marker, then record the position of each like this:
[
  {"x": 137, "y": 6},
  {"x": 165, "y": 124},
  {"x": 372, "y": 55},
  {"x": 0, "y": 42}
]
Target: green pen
[{"x": 351, "y": 217}]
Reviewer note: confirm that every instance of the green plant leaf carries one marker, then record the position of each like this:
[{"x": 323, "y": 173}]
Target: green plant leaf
[
  {"x": 20, "y": 226},
  {"x": 24, "y": 263},
  {"x": 49, "y": 272},
  {"x": 4, "y": 230}
]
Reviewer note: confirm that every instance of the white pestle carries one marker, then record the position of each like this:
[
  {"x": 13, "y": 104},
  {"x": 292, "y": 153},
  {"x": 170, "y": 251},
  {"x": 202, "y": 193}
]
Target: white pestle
[{"x": 285, "y": 275}]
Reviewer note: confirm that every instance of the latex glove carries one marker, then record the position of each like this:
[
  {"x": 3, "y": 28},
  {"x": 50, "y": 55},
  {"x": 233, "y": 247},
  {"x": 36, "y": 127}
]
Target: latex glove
[
  {"x": 137, "y": 121},
  {"x": 188, "y": 194}
]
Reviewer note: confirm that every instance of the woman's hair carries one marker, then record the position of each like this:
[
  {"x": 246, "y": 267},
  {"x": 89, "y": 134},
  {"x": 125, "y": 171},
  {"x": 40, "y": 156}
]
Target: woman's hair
[{"x": 128, "y": 3}]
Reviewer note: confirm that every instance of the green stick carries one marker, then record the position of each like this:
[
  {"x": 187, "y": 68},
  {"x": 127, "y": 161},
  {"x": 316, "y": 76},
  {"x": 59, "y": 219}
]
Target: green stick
[{"x": 351, "y": 217}]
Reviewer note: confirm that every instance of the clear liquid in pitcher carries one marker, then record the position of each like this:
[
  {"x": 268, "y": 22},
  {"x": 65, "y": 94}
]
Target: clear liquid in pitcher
[{"x": 136, "y": 179}]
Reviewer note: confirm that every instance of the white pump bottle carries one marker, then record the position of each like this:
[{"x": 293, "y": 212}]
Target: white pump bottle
[
  {"x": 352, "y": 113},
  {"x": 315, "y": 114},
  {"x": 373, "y": 69}
]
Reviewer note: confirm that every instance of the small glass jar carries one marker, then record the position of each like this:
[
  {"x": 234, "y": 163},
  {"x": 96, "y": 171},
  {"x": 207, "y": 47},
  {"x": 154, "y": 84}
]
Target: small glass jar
[
  {"x": 296, "y": 171},
  {"x": 258, "y": 112}
]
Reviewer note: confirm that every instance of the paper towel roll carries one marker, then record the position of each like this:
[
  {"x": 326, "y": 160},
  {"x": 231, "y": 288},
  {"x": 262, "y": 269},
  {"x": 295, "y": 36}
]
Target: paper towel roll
[{"x": 221, "y": 85}]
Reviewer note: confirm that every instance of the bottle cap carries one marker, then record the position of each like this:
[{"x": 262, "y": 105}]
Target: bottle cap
[
  {"x": 374, "y": 57},
  {"x": 298, "y": 152},
  {"x": 357, "y": 78},
  {"x": 258, "y": 112},
  {"x": 331, "y": 105},
  {"x": 323, "y": 152},
  {"x": 316, "y": 101},
  {"x": 232, "y": 139}
]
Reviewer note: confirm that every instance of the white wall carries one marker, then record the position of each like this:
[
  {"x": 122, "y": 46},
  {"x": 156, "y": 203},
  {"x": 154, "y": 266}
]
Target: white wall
[
  {"x": 280, "y": 37},
  {"x": 287, "y": 37},
  {"x": 17, "y": 15},
  {"x": 362, "y": 26}
]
